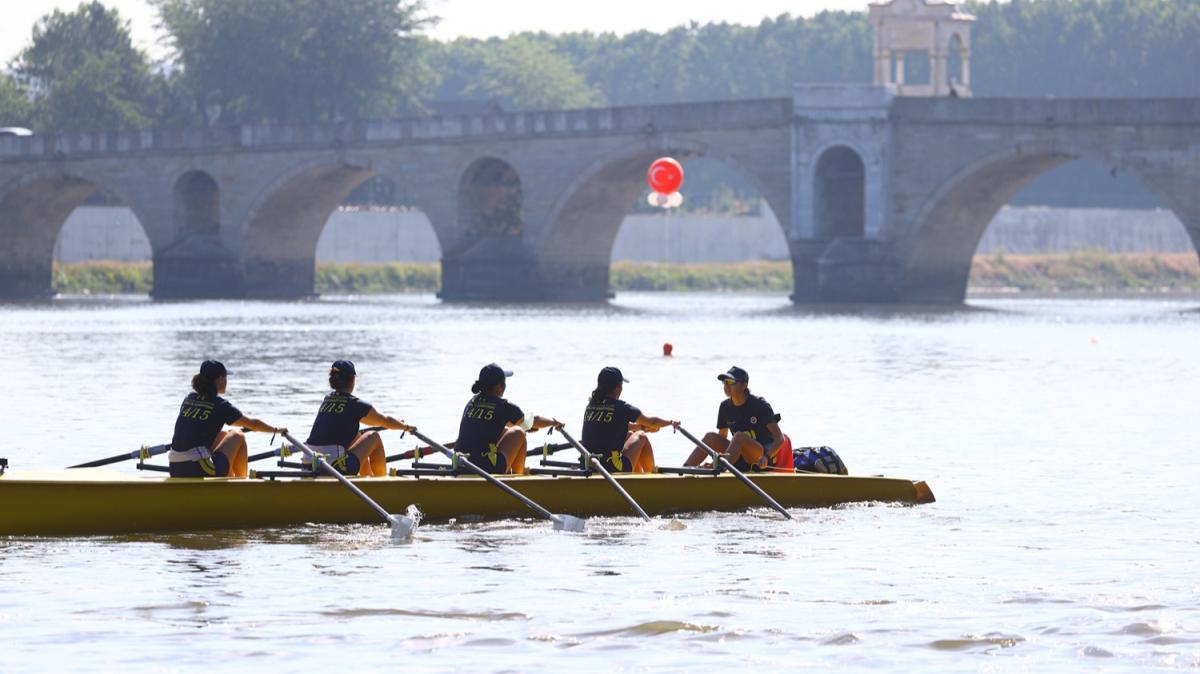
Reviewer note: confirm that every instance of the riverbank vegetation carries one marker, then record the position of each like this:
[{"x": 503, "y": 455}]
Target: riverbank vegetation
[{"x": 1080, "y": 272}]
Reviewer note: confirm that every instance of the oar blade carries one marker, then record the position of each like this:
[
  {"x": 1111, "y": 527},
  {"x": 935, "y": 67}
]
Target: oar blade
[
  {"x": 402, "y": 527},
  {"x": 569, "y": 523}
]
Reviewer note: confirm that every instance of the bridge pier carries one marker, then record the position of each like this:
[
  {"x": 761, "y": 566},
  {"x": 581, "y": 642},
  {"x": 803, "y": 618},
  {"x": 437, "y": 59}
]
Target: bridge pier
[
  {"x": 492, "y": 268},
  {"x": 198, "y": 267},
  {"x": 844, "y": 270},
  {"x": 25, "y": 279},
  {"x": 858, "y": 270}
]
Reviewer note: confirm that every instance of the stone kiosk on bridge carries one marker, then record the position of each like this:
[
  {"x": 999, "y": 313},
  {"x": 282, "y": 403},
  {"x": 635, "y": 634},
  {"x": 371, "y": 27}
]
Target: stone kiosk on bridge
[{"x": 883, "y": 190}]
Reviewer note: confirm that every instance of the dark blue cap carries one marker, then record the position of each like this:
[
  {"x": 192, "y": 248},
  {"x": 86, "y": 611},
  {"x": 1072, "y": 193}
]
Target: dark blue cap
[
  {"x": 212, "y": 369},
  {"x": 609, "y": 377},
  {"x": 735, "y": 374},
  {"x": 489, "y": 376},
  {"x": 343, "y": 367}
]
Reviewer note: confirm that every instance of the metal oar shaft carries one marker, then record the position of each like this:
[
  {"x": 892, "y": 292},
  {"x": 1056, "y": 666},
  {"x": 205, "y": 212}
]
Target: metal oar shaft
[
  {"x": 321, "y": 463},
  {"x": 740, "y": 475},
  {"x": 588, "y": 456},
  {"x": 487, "y": 476},
  {"x": 143, "y": 453}
]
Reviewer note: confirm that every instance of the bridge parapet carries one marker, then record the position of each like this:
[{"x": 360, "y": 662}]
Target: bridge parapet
[
  {"x": 1027, "y": 112},
  {"x": 675, "y": 117}
]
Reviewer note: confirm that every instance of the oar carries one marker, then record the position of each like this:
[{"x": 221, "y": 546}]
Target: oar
[
  {"x": 561, "y": 522},
  {"x": 588, "y": 456},
  {"x": 741, "y": 476},
  {"x": 402, "y": 525},
  {"x": 143, "y": 454},
  {"x": 416, "y": 453},
  {"x": 285, "y": 451}
]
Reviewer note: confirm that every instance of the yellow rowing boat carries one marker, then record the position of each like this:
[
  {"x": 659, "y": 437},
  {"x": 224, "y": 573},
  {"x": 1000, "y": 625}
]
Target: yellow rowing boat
[{"x": 101, "y": 501}]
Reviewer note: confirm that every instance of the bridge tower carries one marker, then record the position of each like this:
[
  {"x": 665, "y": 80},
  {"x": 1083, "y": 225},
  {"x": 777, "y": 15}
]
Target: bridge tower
[{"x": 938, "y": 30}]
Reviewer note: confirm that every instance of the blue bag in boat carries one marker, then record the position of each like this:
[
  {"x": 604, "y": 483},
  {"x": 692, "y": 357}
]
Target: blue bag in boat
[{"x": 818, "y": 460}]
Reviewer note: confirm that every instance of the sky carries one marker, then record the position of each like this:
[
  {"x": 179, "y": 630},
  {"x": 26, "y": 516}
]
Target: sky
[{"x": 470, "y": 18}]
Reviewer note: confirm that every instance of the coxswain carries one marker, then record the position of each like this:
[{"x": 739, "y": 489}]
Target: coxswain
[
  {"x": 757, "y": 442},
  {"x": 492, "y": 431},
  {"x": 616, "y": 431},
  {"x": 200, "y": 448},
  {"x": 335, "y": 432}
]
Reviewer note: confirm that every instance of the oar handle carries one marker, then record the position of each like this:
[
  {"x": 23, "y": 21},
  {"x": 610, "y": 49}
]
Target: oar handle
[
  {"x": 462, "y": 460},
  {"x": 588, "y": 456},
  {"x": 740, "y": 475},
  {"x": 142, "y": 453},
  {"x": 320, "y": 462}
]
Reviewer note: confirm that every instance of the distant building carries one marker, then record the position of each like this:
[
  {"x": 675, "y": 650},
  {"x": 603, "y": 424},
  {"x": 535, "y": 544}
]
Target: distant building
[{"x": 936, "y": 30}]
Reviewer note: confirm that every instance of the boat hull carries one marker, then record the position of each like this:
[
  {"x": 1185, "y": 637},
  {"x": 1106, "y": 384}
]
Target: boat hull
[{"x": 101, "y": 502}]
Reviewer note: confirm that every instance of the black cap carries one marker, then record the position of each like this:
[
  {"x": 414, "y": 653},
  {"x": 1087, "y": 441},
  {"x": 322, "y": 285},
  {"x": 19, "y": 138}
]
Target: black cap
[
  {"x": 211, "y": 369},
  {"x": 344, "y": 367},
  {"x": 735, "y": 374},
  {"x": 609, "y": 377},
  {"x": 489, "y": 376}
]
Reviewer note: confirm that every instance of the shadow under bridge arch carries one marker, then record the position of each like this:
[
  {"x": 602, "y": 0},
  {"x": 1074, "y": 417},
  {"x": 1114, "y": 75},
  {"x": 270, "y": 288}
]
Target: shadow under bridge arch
[
  {"x": 33, "y": 209},
  {"x": 280, "y": 240},
  {"x": 937, "y": 252}
]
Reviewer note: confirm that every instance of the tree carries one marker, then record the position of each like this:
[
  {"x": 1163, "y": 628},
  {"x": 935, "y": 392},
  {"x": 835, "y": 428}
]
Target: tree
[
  {"x": 85, "y": 72},
  {"x": 526, "y": 73},
  {"x": 15, "y": 108},
  {"x": 297, "y": 60}
]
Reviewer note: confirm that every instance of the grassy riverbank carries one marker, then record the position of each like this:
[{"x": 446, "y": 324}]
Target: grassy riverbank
[{"x": 1084, "y": 272}]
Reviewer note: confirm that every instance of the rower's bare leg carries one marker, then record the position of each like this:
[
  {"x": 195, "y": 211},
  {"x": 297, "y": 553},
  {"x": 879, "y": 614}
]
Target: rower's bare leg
[
  {"x": 638, "y": 453},
  {"x": 513, "y": 445},
  {"x": 233, "y": 445},
  {"x": 746, "y": 448},
  {"x": 713, "y": 440},
  {"x": 372, "y": 461}
]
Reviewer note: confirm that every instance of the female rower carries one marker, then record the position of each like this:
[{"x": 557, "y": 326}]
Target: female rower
[
  {"x": 492, "y": 431},
  {"x": 757, "y": 441},
  {"x": 199, "y": 447},
  {"x": 335, "y": 431},
  {"x": 615, "y": 430}
]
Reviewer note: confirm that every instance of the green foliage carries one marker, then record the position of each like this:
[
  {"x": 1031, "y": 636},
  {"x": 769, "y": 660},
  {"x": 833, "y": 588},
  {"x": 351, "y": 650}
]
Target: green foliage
[
  {"x": 392, "y": 277},
  {"x": 103, "y": 278},
  {"x": 523, "y": 73},
  {"x": 1086, "y": 48},
  {"x": 86, "y": 73},
  {"x": 297, "y": 60},
  {"x": 15, "y": 107},
  {"x": 742, "y": 276}
]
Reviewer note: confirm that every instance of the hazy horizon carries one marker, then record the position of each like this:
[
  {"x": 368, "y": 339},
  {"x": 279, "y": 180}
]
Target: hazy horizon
[{"x": 473, "y": 18}]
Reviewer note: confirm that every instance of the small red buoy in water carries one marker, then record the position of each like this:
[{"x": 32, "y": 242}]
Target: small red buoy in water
[{"x": 667, "y": 349}]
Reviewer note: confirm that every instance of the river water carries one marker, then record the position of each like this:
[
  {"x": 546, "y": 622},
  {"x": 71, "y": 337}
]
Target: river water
[{"x": 1059, "y": 436}]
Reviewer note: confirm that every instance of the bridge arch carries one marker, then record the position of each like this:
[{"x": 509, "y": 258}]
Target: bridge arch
[
  {"x": 279, "y": 242},
  {"x": 288, "y": 217},
  {"x": 936, "y": 254},
  {"x": 839, "y": 193},
  {"x": 33, "y": 209},
  {"x": 576, "y": 248}
]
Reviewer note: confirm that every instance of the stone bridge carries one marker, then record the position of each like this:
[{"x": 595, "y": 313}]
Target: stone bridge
[{"x": 882, "y": 199}]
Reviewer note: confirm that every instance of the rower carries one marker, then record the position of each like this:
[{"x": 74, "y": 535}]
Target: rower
[
  {"x": 200, "y": 448},
  {"x": 335, "y": 432},
  {"x": 492, "y": 432},
  {"x": 616, "y": 431},
  {"x": 757, "y": 442}
]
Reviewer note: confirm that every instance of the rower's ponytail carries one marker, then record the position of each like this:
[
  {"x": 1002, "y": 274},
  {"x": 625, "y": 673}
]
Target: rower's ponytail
[
  {"x": 597, "y": 396},
  {"x": 338, "y": 379},
  {"x": 204, "y": 386}
]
